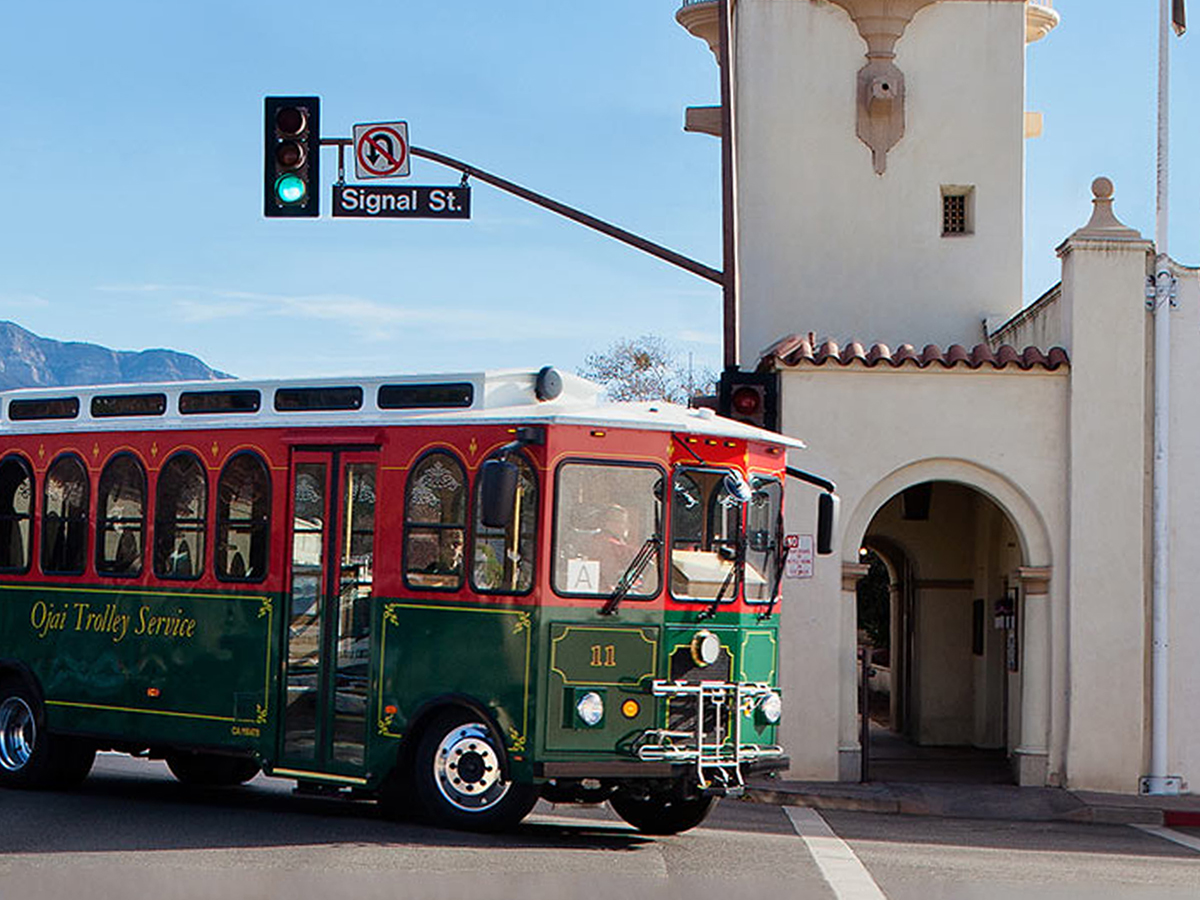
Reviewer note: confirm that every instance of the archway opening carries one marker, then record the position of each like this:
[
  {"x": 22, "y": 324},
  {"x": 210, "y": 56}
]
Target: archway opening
[{"x": 938, "y": 620}]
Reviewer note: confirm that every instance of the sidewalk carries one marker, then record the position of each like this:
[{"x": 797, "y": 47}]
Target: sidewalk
[{"x": 980, "y": 801}]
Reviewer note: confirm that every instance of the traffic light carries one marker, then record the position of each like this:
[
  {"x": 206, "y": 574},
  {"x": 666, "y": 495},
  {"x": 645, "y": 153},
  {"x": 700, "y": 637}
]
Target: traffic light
[
  {"x": 291, "y": 183},
  {"x": 750, "y": 397}
]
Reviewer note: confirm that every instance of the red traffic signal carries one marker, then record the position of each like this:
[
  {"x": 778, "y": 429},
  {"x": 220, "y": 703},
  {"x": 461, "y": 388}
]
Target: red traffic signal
[{"x": 750, "y": 397}]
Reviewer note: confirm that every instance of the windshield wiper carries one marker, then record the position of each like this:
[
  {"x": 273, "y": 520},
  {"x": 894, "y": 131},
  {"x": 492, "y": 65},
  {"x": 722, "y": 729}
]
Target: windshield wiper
[
  {"x": 631, "y": 574},
  {"x": 780, "y": 563},
  {"x": 739, "y": 557}
]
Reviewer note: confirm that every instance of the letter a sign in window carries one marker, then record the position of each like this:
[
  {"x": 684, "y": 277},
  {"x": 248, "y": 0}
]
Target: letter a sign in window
[{"x": 583, "y": 576}]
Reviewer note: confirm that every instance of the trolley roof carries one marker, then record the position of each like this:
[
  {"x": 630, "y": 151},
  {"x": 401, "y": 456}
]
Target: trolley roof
[{"x": 501, "y": 397}]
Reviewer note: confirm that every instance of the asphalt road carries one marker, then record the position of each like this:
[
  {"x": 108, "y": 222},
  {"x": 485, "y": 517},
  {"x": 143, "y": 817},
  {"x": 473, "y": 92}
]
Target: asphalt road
[{"x": 133, "y": 832}]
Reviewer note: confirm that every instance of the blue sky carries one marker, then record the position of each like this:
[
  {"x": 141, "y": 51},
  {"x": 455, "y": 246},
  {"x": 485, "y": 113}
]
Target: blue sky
[{"x": 130, "y": 142}]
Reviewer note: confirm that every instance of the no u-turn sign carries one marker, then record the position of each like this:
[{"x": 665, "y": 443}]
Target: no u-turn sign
[{"x": 381, "y": 150}]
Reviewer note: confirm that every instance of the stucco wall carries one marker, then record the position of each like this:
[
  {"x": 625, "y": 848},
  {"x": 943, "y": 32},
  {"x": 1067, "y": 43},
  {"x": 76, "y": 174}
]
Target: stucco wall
[
  {"x": 822, "y": 236},
  {"x": 875, "y": 432},
  {"x": 1103, "y": 308}
]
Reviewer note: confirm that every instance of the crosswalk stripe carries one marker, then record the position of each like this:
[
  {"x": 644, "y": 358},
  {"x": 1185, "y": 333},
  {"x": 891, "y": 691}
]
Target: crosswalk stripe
[
  {"x": 1177, "y": 837},
  {"x": 842, "y": 870}
]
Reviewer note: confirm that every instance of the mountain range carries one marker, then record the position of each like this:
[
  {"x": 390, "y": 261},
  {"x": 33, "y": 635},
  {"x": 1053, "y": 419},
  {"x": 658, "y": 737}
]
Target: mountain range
[{"x": 29, "y": 360}]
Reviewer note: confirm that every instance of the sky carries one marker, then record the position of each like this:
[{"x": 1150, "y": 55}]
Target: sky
[{"x": 131, "y": 153}]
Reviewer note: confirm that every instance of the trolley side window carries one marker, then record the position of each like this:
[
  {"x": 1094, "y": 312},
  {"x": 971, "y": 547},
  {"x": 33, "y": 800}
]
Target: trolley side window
[
  {"x": 65, "y": 517},
  {"x": 706, "y": 522},
  {"x": 604, "y": 515},
  {"x": 435, "y": 520},
  {"x": 243, "y": 519},
  {"x": 180, "y": 512},
  {"x": 121, "y": 525},
  {"x": 16, "y": 514},
  {"x": 502, "y": 561}
]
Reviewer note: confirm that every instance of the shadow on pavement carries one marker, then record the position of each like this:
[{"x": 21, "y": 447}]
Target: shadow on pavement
[{"x": 140, "y": 812}]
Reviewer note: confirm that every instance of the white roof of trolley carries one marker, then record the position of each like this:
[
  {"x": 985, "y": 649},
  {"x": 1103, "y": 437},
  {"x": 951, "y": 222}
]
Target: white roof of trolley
[{"x": 510, "y": 397}]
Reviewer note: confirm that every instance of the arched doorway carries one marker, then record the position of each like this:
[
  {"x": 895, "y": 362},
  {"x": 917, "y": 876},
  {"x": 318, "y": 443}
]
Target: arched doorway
[{"x": 944, "y": 596}]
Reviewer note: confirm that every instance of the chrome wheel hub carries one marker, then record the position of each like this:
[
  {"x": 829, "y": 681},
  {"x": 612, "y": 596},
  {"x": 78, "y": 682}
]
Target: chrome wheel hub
[
  {"x": 18, "y": 734},
  {"x": 467, "y": 769}
]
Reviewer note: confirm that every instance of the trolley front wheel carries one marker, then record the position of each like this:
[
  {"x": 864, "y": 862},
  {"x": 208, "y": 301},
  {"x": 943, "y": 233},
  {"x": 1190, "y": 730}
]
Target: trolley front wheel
[
  {"x": 661, "y": 813},
  {"x": 459, "y": 778}
]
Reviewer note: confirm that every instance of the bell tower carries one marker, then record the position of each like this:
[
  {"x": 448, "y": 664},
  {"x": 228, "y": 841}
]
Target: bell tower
[{"x": 880, "y": 164}]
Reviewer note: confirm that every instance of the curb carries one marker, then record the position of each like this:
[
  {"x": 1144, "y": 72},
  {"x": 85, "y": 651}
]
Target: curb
[{"x": 971, "y": 802}]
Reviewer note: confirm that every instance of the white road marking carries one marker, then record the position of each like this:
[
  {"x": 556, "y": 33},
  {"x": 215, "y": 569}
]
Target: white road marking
[
  {"x": 1167, "y": 834},
  {"x": 842, "y": 870}
]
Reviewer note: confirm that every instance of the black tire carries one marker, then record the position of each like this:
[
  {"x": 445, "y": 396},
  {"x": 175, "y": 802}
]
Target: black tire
[
  {"x": 30, "y": 756},
  {"x": 661, "y": 813},
  {"x": 211, "y": 769},
  {"x": 458, "y": 776}
]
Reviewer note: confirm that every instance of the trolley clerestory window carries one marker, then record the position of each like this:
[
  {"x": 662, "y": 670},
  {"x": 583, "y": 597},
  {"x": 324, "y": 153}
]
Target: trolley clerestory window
[
  {"x": 219, "y": 402},
  {"x": 456, "y": 395},
  {"x": 111, "y": 405},
  {"x": 48, "y": 408}
]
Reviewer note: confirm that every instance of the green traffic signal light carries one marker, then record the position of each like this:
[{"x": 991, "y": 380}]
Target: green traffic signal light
[
  {"x": 291, "y": 177},
  {"x": 290, "y": 189}
]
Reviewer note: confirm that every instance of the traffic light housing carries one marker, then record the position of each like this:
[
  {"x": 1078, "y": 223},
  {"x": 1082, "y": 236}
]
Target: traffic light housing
[
  {"x": 292, "y": 144},
  {"x": 750, "y": 397}
]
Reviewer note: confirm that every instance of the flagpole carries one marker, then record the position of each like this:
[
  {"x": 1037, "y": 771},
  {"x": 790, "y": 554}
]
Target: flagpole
[{"x": 1158, "y": 782}]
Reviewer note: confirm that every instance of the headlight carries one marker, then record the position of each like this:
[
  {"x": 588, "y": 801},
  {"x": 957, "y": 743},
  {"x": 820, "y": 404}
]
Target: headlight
[
  {"x": 772, "y": 707},
  {"x": 590, "y": 709},
  {"x": 706, "y": 648}
]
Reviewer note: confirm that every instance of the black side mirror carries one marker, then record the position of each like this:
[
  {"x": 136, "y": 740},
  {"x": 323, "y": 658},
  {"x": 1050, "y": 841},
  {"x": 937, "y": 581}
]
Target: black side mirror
[
  {"x": 497, "y": 492},
  {"x": 827, "y": 516}
]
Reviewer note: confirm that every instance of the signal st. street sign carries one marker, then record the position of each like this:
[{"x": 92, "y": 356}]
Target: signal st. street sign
[
  {"x": 359, "y": 201},
  {"x": 381, "y": 150}
]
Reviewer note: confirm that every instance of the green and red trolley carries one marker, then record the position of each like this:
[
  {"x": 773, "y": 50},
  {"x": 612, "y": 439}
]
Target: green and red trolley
[{"x": 453, "y": 594}]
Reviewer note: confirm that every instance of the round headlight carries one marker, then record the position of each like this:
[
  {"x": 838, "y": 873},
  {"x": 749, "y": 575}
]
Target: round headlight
[
  {"x": 706, "y": 647},
  {"x": 590, "y": 709},
  {"x": 772, "y": 707}
]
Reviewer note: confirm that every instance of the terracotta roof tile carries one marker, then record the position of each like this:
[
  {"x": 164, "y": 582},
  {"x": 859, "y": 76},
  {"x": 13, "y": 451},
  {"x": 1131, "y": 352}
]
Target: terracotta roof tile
[{"x": 795, "y": 350}]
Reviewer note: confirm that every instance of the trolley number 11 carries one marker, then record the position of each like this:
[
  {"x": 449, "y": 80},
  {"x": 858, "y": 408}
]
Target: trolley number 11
[{"x": 604, "y": 656}]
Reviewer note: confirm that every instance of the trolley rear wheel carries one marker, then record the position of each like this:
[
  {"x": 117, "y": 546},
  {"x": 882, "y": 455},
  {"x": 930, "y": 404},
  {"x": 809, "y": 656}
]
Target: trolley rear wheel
[
  {"x": 30, "y": 756},
  {"x": 210, "y": 769}
]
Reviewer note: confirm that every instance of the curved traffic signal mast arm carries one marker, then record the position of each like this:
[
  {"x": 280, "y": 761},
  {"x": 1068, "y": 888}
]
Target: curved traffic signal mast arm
[
  {"x": 569, "y": 212},
  {"x": 575, "y": 215}
]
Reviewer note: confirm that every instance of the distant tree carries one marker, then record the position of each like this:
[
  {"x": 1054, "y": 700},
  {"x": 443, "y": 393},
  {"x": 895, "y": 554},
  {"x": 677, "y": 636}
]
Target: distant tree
[{"x": 646, "y": 368}]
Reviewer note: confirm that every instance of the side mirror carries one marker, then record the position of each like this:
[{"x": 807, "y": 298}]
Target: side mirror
[
  {"x": 737, "y": 487},
  {"x": 497, "y": 492},
  {"x": 827, "y": 520}
]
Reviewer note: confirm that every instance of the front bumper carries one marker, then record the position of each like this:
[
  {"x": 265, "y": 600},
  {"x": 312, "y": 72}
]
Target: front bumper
[{"x": 714, "y": 745}]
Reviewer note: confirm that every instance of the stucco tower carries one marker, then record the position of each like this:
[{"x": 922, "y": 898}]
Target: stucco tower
[{"x": 880, "y": 164}]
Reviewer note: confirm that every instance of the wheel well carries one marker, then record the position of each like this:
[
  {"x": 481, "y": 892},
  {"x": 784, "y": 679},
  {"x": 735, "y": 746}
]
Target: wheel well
[
  {"x": 12, "y": 670},
  {"x": 434, "y": 708}
]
